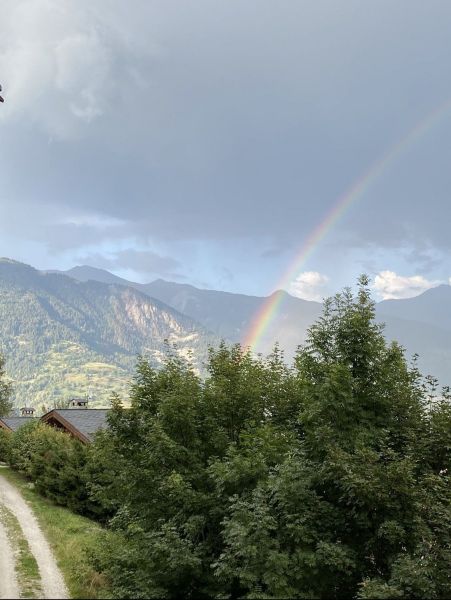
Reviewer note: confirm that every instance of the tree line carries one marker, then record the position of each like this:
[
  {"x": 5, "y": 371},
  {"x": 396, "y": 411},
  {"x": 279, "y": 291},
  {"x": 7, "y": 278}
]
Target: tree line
[{"x": 325, "y": 478}]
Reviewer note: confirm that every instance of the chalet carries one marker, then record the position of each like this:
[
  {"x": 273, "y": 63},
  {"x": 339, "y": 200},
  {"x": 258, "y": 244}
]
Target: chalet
[
  {"x": 82, "y": 423},
  {"x": 78, "y": 420},
  {"x": 15, "y": 423}
]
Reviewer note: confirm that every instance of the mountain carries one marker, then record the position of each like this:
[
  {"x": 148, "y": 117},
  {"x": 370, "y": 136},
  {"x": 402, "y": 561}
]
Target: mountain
[
  {"x": 227, "y": 315},
  {"x": 230, "y": 315},
  {"x": 432, "y": 307},
  {"x": 85, "y": 273},
  {"x": 63, "y": 337},
  {"x": 76, "y": 332},
  {"x": 421, "y": 324}
]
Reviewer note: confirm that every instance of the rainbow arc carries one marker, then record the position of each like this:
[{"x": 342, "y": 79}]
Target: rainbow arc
[{"x": 264, "y": 317}]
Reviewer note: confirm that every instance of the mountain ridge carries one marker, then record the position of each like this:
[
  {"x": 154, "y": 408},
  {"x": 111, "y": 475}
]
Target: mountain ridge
[
  {"x": 68, "y": 333},
  {"x": 226, "y": 314},
  {"x": 418, "y": 323},
  {"x": 62, "y": 337}
]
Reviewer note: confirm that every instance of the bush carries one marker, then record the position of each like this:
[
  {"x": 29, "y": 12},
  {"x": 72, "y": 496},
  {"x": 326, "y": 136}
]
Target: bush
[
  {"x": 56, "y": 463},
  {"x": 57, "y": 468},
  {"x": 22, "y": 448},
  {"x": 5, "y": 440}
]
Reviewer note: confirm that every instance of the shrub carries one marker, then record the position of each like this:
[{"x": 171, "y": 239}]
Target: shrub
[
  {"x": 22, "y": 448},
  {"x": 57, "y": 468},
  {"x": 57, "y": 464},
  {"x": 5, "y": 440}
]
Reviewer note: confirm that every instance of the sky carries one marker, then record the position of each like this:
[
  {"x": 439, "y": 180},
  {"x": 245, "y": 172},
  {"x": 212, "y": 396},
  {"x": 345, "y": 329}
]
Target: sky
[{"x": 203, "y": 142}]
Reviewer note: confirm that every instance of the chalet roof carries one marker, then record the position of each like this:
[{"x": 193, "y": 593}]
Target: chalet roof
[
  {"x": 83, "y": 423},
  {"x": 15, "y": 423}
]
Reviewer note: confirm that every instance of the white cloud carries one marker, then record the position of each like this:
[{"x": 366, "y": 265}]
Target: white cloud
[
  {"x": 389, "y": 285},
  {"x": 309, "y": 286}
]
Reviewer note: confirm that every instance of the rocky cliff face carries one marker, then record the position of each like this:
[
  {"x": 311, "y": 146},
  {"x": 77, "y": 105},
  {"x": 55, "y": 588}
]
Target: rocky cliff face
[
  {"x": 62, "y": 337},
  {"x": 421, "y": 324}
]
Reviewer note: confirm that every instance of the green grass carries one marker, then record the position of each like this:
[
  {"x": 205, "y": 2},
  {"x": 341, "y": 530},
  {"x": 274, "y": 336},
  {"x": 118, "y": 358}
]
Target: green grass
[
  {"x": 71, "y": 537},
  {"x": 26, "y": 565}
]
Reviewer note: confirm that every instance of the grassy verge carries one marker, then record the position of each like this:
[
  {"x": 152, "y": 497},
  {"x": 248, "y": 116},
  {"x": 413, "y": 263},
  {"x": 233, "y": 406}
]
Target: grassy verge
[
  {"x": 26, "y": 566},
  {"x": 71, "y": 537}
]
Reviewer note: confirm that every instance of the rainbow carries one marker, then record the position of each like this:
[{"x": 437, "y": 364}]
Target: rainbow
[{"x": 265, "y": 315}]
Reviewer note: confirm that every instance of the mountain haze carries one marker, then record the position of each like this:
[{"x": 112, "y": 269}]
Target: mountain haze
[
  {"x": 227, "y": 315},
  {"x": 421, "y": 324},
  {"x": 80, "y": 331},
  {"x": 85, "y": 273},
  {"x": 432, "y": 307}
]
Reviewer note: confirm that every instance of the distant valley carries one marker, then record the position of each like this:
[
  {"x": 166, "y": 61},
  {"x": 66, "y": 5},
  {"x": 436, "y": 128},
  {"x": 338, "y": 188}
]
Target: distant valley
[{"x": 79, "y": 332}]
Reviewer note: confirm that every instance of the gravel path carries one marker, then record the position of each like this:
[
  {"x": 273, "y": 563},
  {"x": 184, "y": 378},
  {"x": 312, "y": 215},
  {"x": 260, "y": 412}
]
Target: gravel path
[
  {"x": 8, "y": 581},
  {"x": 51, "y": 579}
]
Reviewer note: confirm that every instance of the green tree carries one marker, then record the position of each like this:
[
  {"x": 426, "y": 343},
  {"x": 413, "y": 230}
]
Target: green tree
[
  {"x": 173, "y": 459},
  {"x": 6, "y": 404},
  {"x": 326, "y": 479},
  {"x": 355, "y": 509}
]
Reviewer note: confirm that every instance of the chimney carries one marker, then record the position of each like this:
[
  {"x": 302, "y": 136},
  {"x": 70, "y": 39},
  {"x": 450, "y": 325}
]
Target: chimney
[
  {"x": 78, "y": 403},
  {"x": 27, "y": 411}
]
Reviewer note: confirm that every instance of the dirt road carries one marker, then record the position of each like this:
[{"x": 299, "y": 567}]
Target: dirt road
[
  {"x": 52, "y": 582},
  {"x": 8, "y": 581}
]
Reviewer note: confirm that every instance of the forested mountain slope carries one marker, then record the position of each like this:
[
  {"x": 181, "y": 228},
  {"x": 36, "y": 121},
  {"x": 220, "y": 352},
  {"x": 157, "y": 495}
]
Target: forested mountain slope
[
  {"x": 62, "y": 337},
  {"x": 226, "y": 314},
  {"x": 80, "y": 332},
  {"x": 421, "y": 324}
]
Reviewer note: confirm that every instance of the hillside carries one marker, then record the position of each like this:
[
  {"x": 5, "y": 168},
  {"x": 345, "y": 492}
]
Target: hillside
[
  {"x": 432, "y": 307},
  {"x": 63, "y": 337},
  {"x": 421, "y": 324},
  {"x": 226, "y": 314},
  {"x": 79, "y": 332}
]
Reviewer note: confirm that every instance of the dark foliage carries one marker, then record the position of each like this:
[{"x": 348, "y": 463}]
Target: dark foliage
[
  {"x": 57, "y": 464},
  {"x": 325, "y": 480}
]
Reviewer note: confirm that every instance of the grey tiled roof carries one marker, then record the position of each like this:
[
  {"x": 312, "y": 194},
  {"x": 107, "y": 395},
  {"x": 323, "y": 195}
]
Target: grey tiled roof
[
  {"x": 87, "y": 420},
  {"x": 16, "y": 423}
]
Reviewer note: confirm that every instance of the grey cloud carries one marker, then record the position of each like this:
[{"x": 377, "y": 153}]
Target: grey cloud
[
  {"x": 213, "y": 122},
  {"x": 425, "y": 259},
  {"x": 144, "y": 262}
]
